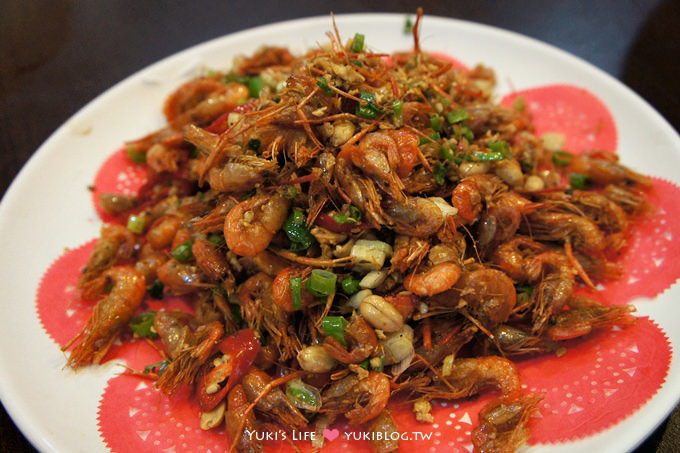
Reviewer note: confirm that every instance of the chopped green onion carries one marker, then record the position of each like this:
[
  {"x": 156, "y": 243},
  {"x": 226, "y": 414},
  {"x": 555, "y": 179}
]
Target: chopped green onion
[
  {"x": 464, "y": 132},
  {"x": 321, "y": 283},
  {"x": 217, "y": 238},
  {"x": 439, "y": 172},
  {"x": 579, "y": 181},
  {"x": 136, "y": 223},
  {"x": 138, "y": 157},
  {"x": 296, "y": 292},
  {"x": 367, "y": 112},
  {"x": 255, "y": 85},
  {"x": 380, "y": 367},
  {"x": 334, "y": 326},
  {"x": 354, "y": 212},
  {"x": 488, "y": 157},
  {"x": 368, "y": 109},
  {"x": 350, "y": 285},
  {"x": 323, "y": 84},
  {"x": 447, "y": 154},
  {"x": 254, "y": 144},
  {"x": 291, "y": 192},
  {"x": 363, "y": 364},
  {"x": 357, "y": 63},
  {"x": 182, "y": 252},
  {"x": 398, "y": 109},
  {"x": 195, "y": 153},
  {"x": 358, "y": 43},
  {"x": 525, "y": 289},
  {"x": 562, "y": 158},
  {"x": 500, "y": 147},
  {"x": 367, "y": 96},
  {"x": 435, "y": 136},
  {"x": 342, "y": 219},
  {"x": 354, "y": 216},
  {"x": 408, "y": 26},
  {"x": 142, "y": 324},
  {"x": 156, "y": 289},
  {"x": 233, "y": 77},
  {"x": 303, "y": 395},
  {"x": 160, "y": 365},
  {"x": 519, "y": 104},
  {"x": 296, "y": 229},
  {"x": 436, "y": 122},
  {"x": 457, "y": 116}
]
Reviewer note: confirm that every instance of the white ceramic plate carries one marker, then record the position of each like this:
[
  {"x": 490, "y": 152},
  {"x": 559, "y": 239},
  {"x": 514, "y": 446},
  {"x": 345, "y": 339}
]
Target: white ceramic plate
[{"x": 48, "y": 208}]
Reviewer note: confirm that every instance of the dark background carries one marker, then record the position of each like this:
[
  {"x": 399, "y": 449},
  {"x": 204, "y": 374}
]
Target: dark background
[{"x": 55, "y": 56}]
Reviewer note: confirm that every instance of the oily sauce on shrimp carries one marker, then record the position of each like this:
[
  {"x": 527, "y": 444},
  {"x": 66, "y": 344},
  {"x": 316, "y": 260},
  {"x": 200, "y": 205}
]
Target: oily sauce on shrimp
[{"x": 350, "y": 226}]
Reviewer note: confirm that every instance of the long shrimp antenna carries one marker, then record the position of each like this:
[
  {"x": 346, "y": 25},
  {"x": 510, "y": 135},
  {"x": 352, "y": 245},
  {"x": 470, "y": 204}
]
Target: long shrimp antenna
[{"x": 416, "y": 31}]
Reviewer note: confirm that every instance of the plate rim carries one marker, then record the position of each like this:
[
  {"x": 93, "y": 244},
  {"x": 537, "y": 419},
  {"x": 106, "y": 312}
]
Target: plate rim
[{"x": 12, "y": 404}]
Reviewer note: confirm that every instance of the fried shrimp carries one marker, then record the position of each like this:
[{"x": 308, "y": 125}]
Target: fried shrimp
[
  {"x": 109, "y": 316},
  {"x": 251, "y": 224},
  {"x": 343, "y": 227}
]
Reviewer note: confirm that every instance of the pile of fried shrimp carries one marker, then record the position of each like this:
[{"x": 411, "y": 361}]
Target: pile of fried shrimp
[{"x": 352, "y": 227}]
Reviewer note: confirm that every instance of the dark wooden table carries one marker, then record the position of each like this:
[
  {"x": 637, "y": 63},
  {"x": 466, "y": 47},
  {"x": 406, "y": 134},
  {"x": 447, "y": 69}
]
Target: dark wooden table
[{"x": 55, "y": 56}]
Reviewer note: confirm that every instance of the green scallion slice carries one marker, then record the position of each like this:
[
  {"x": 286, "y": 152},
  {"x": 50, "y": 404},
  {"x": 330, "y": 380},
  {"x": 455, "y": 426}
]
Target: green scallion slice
[
  {"x": 447, "y": 154},
  {"x": 408, "y": 25},
  {"x": 296, "y": 229},
  {"x": 255, "y": 85},
  {"x": 303, "y": 395},
  {"x": 217, "y": 238},
  {"x": 156, "y": 289},
  {"x": 367, "y": 109},
  {"x": 136, "y": 223},
  {"x": 321, "y": 283},
  {"x": 579, "y": 181},
  {"x": 135, "y": 156},
  {"x": 439, "y": 172},
  {"x": 334, "y": 326},
  {"x": 323, "y": 84},
  {"x": 465, "y": 132},
  {"x": 142, "y": 324},
  {"x": 436, "y": 123},
  {"x": 457, "y": 116},
  {"x": 182, "y": 252},
  {"x": 296, "y": 292},
  {"x": 562, "y": 158},
  {"x": 487, "y": 157},
  {"x": 358, "y": 43},
  {"x": 291, "y": 192},
  {"x": 353, "y": 216},
  {"x": 501, "y": 147},
  {"x": 398, "y": 108},
  {"x": 350, "y": 285}
]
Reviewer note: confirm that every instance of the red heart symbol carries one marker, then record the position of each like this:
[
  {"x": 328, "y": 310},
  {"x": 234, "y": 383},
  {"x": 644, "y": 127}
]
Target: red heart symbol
[{"x": 331, "y": 434}]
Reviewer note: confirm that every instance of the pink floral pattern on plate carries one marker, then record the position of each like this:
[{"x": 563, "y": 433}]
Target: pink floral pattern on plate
[{"x": 598, "y": 382}]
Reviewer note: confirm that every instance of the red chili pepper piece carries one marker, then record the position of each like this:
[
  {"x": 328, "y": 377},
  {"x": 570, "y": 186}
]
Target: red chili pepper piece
[
  {"x": 243, "y": 347},
  {"x": 328, "y": 222}
]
